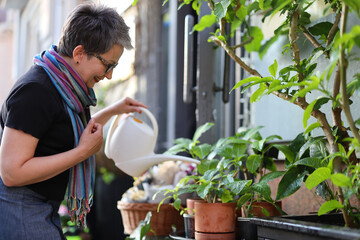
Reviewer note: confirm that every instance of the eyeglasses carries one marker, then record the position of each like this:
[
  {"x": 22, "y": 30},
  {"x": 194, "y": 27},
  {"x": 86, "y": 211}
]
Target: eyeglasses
[{"x": 108, "y": 66}]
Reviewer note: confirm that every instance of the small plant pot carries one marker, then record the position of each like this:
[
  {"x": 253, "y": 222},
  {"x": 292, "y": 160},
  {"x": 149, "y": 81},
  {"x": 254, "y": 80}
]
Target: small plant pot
[
  {"x": 214, "y": 218},
  {"x": 189, "y": 225}
]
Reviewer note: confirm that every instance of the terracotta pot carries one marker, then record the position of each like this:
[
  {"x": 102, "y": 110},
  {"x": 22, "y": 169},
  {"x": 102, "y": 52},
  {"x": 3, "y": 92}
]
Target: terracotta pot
[
  {"x": 190, "y": 204},
  {"x": 215, "y": 217},
  {"x": 214, "y": 236},
  {"x": 258, "y": 206}
]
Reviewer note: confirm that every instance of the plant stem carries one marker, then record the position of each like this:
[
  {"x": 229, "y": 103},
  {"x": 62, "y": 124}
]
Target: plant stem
[
  {"x": 294, "y": 46},
  {"x": 310, "y": 37},
  {"x": 343, "y": 67},
  {"x": 243, "y": 43},
  {"x": 345, "y": 103},
  {"x": 333, "y": 29}
]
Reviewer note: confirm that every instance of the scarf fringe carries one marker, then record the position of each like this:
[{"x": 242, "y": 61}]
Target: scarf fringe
[{"x": 78, "y": 210}]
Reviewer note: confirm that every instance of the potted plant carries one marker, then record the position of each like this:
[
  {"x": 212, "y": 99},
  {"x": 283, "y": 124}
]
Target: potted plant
[
  {"x": 249, "y": 154},
  {"x": 227, "y": 174},
  {"x": 295, "y": 83},
  {"x": 212, "y": 183}
]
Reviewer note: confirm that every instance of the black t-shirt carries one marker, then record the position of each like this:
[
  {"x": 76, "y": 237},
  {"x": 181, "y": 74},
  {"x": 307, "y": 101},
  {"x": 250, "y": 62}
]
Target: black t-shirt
[{"x": 34, "y": 106}]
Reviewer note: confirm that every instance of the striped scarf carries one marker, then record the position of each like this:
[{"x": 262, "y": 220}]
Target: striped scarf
[{"x": 77, "y": 99}]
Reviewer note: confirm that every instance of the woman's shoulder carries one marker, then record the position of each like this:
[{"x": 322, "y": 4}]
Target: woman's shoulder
[
  {"x": 35, "y": 85},
  {"x": 36, "y": 76}
]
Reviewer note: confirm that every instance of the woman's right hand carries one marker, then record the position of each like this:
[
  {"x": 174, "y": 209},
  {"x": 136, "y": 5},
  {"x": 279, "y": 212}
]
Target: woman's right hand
[{"x": 91, "y": 139}]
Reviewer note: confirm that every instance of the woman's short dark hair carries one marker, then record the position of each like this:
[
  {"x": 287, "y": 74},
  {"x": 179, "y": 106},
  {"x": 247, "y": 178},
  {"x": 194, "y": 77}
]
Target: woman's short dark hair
[{"x": 94, "y": 26}]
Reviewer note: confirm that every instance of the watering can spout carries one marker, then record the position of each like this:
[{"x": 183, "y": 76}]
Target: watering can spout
[
  {"x": 130, "y": 143},
  {"x": 137, "y": 167}
]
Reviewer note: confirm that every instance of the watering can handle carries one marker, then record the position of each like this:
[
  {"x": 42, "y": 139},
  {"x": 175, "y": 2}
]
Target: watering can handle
[
  {"x": 115, "y": 122},
  {"x": 152, "y": 119}
]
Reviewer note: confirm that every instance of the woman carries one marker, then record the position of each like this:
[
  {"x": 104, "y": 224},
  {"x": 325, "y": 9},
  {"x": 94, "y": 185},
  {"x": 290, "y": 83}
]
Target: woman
[{"x": 47, "y": 137}]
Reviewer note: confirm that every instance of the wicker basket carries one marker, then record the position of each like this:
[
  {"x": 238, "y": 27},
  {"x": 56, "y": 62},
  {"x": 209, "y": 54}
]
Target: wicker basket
[{"x": 133, "y": 213}]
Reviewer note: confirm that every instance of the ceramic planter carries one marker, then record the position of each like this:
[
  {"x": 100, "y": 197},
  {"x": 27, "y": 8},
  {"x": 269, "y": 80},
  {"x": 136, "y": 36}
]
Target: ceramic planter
[{"x": 214, "y": 219}]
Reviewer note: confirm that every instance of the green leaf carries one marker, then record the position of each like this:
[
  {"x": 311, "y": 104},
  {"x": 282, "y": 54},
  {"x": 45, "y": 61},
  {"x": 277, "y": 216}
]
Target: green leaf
[
  {"x": 203, "y": 190},
  {"x": 206, "y": 165},
  {"x": 263, "y": 189},
  {"x": 312, "y": 127},
  {"x": 205, "y": 22},
  {"x": 304, "y": 19},
  {"x": 275, "y": 83},
  {"x": 289, "y": 154},
  {"x": 318, "y": 176},
  {"x": 259, "y": 81},
  {"x": 256, "y": 96},
  {"x": 226, "y": 196},
  {"x": 253, "y": 163},
  {"x": 261, "y": 4},
  {"x": 321, "y": 101},
  {"x": 280, "y": 87},
  {"x": 307, "y": 112},
  {"x": 341, "y": 180},
  {"x": 135, "y": 2},
  {"x": 312, "y": 85},
  {"x": 273, "y": 68},
  {"x": 210, "y": 174},
  {"x": 354, "y": 85},
  {"x": 244, "y": 81},
  {"x": 143, "y": 228},
  {"x": 221, "y": 9},
  {"x": 321, "y": 28},
  {"x": 291, "y": 182},
  {"x": 329, "y": 206},
  {"x": 241, "y": 12},
  {"x": 177, "y": 203},
  {"x": 311, "y": 162},
  {"x": 354, "y": 5},
  {"x": 255, "y": 44},
  {"x": 244, "y": 199},
  {"x": 239, "y": 185},
  {"x": 182, "y": 145},
  {"x": 308, "y": 144},
  {"x": 200, "y": 130},
  {"x": 251, "y": 133},
  {"x": 280, "y": 6},
  {"x": 202, "y": 150},
  {"x": 271, "y": 176}
]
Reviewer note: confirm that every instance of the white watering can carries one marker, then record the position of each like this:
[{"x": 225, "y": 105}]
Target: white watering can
[{"x": 131, "y": 142}]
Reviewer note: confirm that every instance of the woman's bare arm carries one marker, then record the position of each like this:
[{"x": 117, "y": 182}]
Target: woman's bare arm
[
  {"x": 19, "y": 167},
  {"x": 124, "y": 105}
]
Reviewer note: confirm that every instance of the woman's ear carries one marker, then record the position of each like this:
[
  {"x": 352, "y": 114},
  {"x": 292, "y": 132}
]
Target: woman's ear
[{"x": 79, "y": 53}]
